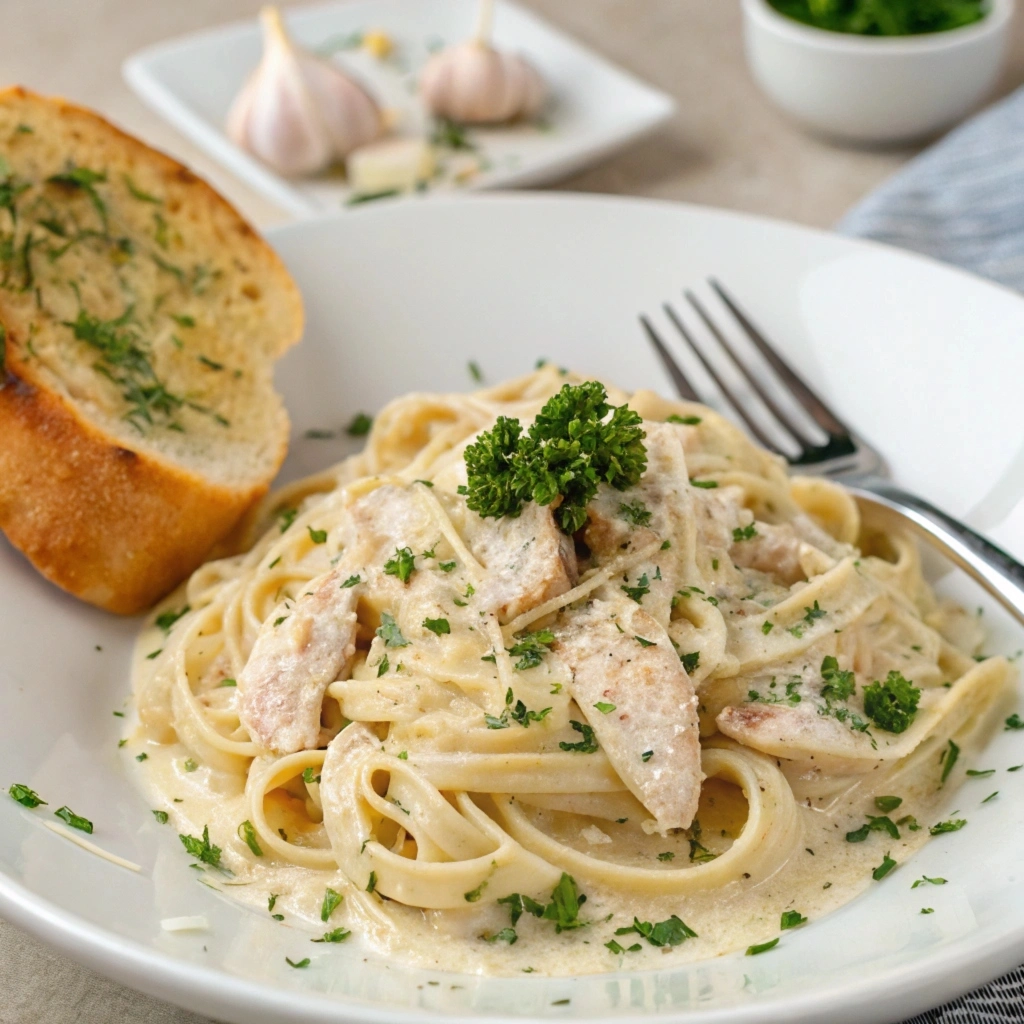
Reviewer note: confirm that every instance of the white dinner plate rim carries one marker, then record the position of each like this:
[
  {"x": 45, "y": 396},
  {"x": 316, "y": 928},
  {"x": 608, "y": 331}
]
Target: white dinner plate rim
[{"x": 941, "y": 974}]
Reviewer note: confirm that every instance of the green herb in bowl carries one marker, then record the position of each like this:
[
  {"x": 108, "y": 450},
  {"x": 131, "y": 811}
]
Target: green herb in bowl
[{"x": 883, "y": 17}]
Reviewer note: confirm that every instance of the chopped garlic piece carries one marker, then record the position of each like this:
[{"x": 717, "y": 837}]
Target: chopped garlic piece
[
  {"x": 377, "y": 44},
  {"x": 595, "y": 836},
  {"x": 399, "y": 164}
]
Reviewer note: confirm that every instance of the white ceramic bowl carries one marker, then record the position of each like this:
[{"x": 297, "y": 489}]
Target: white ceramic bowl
[{"x": 875, "y": 89}]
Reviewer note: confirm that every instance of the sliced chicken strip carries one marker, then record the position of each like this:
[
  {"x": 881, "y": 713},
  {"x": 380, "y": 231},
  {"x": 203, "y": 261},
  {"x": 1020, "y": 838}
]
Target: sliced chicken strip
[
  {"x": 774, "y": 550},
  {"x": 292, "y": 663},
  {"x": 301, "y": 649},
  {"x": 659, "y": 509},
  {"x": 787, "y": 551},
  {"x": 528, "y": 560},
  {"x": 651, "y": 736},
  {"x": 663, "y": 494},
  {"x": 385, "y": 519}
]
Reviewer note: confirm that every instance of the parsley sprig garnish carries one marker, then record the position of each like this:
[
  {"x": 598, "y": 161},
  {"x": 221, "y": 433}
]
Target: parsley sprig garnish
[
  {"x": 891, "y": 705},
  {"x": 573, "y": 446}
]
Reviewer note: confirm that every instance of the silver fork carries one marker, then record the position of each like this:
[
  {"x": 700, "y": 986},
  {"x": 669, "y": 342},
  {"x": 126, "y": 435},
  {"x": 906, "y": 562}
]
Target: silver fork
[{"x": 819, "y": 443}]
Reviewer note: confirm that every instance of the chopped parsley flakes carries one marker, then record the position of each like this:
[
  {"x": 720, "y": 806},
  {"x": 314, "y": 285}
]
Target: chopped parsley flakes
[
  {"x": 884, "y": 868},
  {"x": 838, "y": 683},
  {"x": 74, "y": 820},
  {"x": 247, "y": 833},
  {"x": 402, "y": 565},
  {"x": 690, "y": 661},
  {"x": 947, "y": 826},
  {"x": 635, "y": 513},
  {"x": 389, "y": 632},
  {"x": 331, "y": 901},
  {"x": 25, "y": 796},
  {"x": 360, "y": 425},
  {"x": 202, "y": 849},
  {"x": 530, "y": 648},
  {"x": 873, "y": 824},
  {"x": 949, "y": 758},
  {"x": 671, "y": 932},
  {"x": 166, "y": 620},
  {"x": 587, "y": 745},
  {"x": 640, "y": 591}
]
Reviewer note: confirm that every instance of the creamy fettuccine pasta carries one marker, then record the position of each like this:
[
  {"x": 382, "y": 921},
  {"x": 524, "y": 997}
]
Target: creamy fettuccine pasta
[{"x": 718, "y": 708}]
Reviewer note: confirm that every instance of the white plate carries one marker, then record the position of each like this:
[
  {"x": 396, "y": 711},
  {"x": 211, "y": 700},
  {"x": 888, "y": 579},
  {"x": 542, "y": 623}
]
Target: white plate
[
  {"x": 595, "y": 108},
  {"x": 925, "y": 359}
]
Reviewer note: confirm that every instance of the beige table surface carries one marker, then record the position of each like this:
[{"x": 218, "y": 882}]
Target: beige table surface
[{"x": 725, "y": 147}]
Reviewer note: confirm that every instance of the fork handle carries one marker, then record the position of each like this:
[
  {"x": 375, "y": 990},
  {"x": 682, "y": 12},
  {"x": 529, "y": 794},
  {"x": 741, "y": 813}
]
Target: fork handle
[{"x": 998, "y": 572}]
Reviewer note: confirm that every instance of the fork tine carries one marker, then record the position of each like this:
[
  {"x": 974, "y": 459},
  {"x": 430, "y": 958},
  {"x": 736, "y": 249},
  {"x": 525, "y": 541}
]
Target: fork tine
[
  {"x": 793, "y": 426},
  {"x": 674, "y": 370},
  {"x": 738, "y": 406},
  {"x": 815, "y": 407}
]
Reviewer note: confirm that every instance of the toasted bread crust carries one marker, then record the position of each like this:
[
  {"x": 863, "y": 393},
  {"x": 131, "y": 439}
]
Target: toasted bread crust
[
  {"x": 114, "y": 524},
  {"x": 114, "y": 527}
]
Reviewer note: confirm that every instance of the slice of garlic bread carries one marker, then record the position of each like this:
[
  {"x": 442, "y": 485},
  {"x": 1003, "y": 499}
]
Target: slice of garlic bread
[{"x": 140, "y": 317}]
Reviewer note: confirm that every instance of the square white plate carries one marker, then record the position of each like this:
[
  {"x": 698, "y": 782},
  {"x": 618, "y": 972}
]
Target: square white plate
[{"x": 595, "y": 107}]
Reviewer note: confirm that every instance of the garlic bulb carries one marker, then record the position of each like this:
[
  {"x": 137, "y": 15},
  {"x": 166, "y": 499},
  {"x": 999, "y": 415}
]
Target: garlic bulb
[
  {"x": 297, "y": 112},
  {"x": 475, "y": 84}
]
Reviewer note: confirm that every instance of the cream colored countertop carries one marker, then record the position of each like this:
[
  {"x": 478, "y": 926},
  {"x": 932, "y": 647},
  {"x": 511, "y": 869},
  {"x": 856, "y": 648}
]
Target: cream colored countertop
[{"x": 726, "y": 146}]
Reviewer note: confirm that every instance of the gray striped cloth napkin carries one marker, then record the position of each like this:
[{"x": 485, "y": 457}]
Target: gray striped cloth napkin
[
  {"x": 962, "y": 201},
  {"x": 999, "y": 1002}
]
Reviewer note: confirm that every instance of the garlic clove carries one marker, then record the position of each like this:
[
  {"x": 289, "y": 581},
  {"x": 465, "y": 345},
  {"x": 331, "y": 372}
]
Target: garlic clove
[
  {"x": 282, "y": 126},
  {"x": 475, "y": 84},
  {"x": 349, "y": 114},
  {"x": 297, "y": 112}
]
